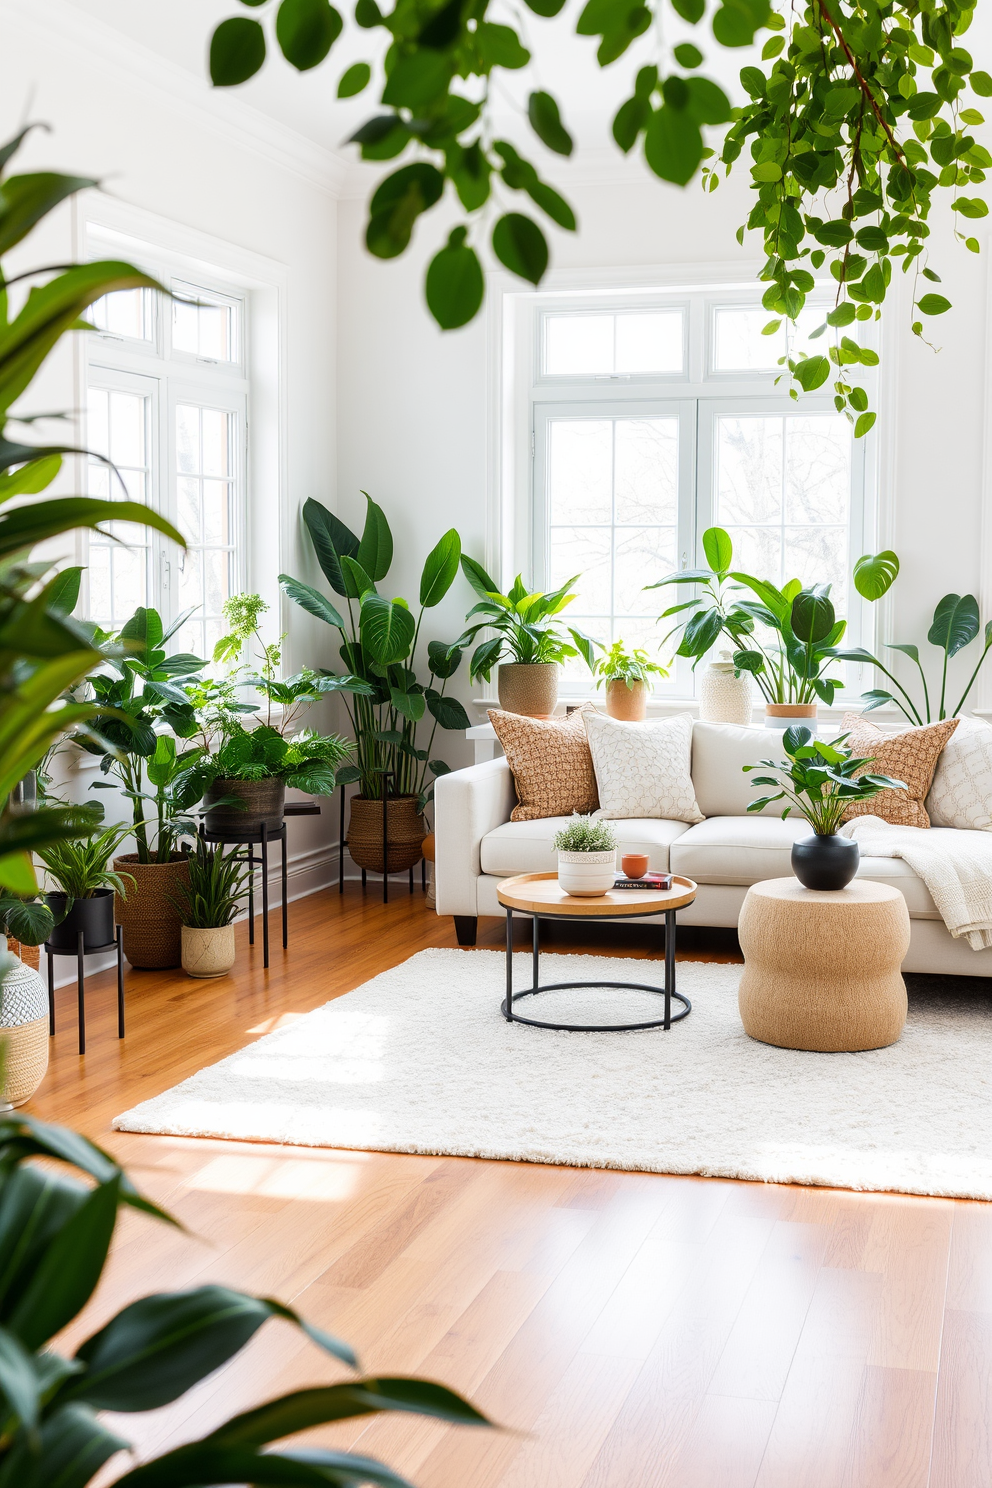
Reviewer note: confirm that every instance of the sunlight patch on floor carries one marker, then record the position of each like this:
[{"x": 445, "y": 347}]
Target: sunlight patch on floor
[{"x": 277, "y": 1178}]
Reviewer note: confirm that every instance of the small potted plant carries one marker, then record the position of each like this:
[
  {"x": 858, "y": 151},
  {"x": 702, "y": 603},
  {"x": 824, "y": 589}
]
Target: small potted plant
[
  {"x": 208, "y": 905},
  {"x": 627, "y": 675},
  {"x": 587, "y": 857},
  {"x": 820, "y": 781},
  {"x": 530, "y": 642},
  {"x": 87, "y": 883}
]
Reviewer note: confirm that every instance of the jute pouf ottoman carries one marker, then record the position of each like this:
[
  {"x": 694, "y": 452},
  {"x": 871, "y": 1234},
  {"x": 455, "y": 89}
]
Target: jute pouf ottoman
[{"x": 821, "y": 969}]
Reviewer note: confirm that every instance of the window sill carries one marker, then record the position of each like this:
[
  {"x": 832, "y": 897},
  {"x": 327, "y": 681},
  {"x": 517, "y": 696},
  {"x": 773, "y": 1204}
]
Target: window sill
[{"x": 664, "y": 707}]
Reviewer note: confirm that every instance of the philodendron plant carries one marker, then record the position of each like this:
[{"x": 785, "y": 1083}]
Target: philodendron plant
[
  {"x": 55, "y": 1234},
  {"x": 818, "y": 780},
  {"x": 527, "y": 624},
  {"x": 379, "y": 638}
]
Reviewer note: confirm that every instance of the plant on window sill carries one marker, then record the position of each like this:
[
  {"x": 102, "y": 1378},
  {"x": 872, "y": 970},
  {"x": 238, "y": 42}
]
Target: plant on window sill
[{"x": 528, "y": 631}]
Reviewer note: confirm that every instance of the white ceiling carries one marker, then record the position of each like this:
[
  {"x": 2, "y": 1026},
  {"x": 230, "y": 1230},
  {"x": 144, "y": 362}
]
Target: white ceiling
[{"x": 178, "y": 32}]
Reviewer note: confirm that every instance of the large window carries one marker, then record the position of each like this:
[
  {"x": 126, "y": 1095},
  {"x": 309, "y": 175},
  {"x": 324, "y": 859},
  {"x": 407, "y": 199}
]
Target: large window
[
  {"x": 167, "y": 405},
  {"x": 656, "y": 417}
]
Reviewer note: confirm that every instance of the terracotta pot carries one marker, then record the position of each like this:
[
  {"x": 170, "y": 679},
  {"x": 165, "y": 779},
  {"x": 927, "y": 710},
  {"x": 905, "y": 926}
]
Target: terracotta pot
[
  {"x": 23, "y": 1033},
  {"x": 207, "y": 953},
  {"x": 149, "y": 918},
  {"x": 263, "y": 801},
  {"x": 627, "y": 703},
  {"x": 784, "y": 715},
  {"x": 405, "y": 833},
  {"x": 528, "y": 687},
  {"x": 634, "y": 865}
]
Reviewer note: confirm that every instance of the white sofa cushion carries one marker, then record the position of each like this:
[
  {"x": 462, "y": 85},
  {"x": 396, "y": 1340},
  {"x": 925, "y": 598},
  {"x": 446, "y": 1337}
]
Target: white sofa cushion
[
  {"x": 746, "y": 849},
  {"x": 642, "y": 769},
  {"x": 719, "y": 753},
  {"x": 528, "y": 847},
  {"x": 961, "y": 793}
]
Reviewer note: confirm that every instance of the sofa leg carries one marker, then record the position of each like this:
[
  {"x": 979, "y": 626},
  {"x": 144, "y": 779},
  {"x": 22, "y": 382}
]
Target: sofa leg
[{"x": 466, "y": 929}]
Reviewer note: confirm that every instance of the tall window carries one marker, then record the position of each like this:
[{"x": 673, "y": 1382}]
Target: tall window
[
  {"x": 167, "y": 405},
  {"x": 655, "y": 418}
]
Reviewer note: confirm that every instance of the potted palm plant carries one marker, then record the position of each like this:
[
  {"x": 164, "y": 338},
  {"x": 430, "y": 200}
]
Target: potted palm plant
[
  {"x": 820, "y": 781},
  {"x": 390, "y": 709},
  {"x": 530, "y": 643},
  {"x": 87, "y": 884},
  {"x": 208, "y": 906},
  {"x": 587, "y": 857},
  {"x": 627, "y": 675}
]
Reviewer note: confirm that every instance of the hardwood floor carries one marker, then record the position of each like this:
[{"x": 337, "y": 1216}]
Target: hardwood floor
[{"x": 627, "y": 1330}]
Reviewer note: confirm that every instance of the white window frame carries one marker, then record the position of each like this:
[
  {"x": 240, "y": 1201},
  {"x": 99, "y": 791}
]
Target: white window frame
[
  {"x": 527, "y": 397},
  {"x": 115, "y": 361}
]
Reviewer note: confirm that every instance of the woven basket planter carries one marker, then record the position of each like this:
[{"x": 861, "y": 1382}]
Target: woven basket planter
[
  {"x": 405, "y": 832},
  {"x": 263, "y": 801},
  {"x": 150, "y": 920},
  {"x": 24, "y": 1034},
  {"x": 528, "y": 687}
]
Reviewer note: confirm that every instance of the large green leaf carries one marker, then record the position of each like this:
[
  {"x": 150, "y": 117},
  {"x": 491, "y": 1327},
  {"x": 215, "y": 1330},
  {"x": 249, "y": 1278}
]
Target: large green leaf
[
  {"x": 330, "y": 538},
  {"x": 69, "y": 1270},
  {"x": 306, "y": 30},
  {"x": 237, "y": 51},
  {"x": 812, "y": 616},
  {"x": 144, "y": 630},
  {"x": 18, "y": 1381},
  {"x": 955, "y": 623},
  {"x": 387, "y": 629},
  {"x": 22, "y": 1135},
  {"x": 202, "y": 1464},
  {"x": 24, "y": 526},
  {"x": 25, "y": 200},
  {"x": 443, "y": 659},
  {"x": 160, "y": 1346},
  {"x": 410, "y": 704},
  {"x": 875, "y": 573},
  {"x": 483, "y": 585},
  {"x": 306, "y": 1408},
  {"x": 72, "y": 1447},
  {"x": 375, "y": 551},
  {"x": 455, "y": 285},
  {"x": 718, "y": 548},
  {"x": 448, "y": 711},
  {"x": 311, "y": 600},
  {"x": 357, "y": 581},
  {"x": 440, "y": 569}
]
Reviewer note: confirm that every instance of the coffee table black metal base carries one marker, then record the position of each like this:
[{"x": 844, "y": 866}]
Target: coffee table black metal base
[{"x": 667, "y": 991}]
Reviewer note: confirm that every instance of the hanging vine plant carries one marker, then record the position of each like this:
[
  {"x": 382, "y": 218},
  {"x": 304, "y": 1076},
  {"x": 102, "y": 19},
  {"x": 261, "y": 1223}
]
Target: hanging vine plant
[{"x": 860, "y": 124}]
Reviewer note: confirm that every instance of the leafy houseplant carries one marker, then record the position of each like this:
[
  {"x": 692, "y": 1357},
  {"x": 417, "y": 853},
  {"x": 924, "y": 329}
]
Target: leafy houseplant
[
  {"x": 385, "y": 701},
  {"x": 627, "y": 675},
  {"x": 152, "y": 1351},
  {"x": 208, "y": 905},
  {"x": 530, "y": 642},
  {"x": 587, "y": 857},
  {"x": 244, "y": 782},
  {"x": 820, "y": 781},
  {"x": 84, "y": 900}
]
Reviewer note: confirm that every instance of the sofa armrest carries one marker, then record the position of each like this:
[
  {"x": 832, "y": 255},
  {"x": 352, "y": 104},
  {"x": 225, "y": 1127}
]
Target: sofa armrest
[{"x": 467, "y": 804}]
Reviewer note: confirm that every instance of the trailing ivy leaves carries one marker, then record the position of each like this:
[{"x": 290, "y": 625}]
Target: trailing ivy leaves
[
  {"x": 455, "y": 285},
  {"x": 545, "y": 120},
  {"x": 306, "y": 30},
  {"x": 520, "y": 246},
  {"x": 237, "y": 51}
]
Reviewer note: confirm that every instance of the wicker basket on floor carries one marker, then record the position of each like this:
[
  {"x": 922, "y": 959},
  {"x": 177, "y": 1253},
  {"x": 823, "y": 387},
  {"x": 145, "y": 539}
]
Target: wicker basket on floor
[
  {"x": 148, "y": 916},
  {"x": 405, "y": 832}
]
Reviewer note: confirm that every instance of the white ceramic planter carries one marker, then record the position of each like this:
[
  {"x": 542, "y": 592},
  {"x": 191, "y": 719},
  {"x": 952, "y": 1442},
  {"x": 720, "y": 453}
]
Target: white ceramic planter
[
  {"x": 587, "y": 875},
  {"x": 208, "y": 953}
]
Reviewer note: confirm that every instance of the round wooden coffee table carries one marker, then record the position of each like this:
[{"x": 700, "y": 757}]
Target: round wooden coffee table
[
  {"x": 540, "y": 896},
  {"x": 821, "y": 968}
]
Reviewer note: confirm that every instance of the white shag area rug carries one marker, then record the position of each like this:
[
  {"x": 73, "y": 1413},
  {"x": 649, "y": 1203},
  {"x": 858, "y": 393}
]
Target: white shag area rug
[{"x": 421, "y": 1060}]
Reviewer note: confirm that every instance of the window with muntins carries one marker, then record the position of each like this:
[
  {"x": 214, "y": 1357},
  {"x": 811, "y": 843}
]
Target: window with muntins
[
  {"x": 655, "y": 417},
  {"x": 168, "y": 407}
]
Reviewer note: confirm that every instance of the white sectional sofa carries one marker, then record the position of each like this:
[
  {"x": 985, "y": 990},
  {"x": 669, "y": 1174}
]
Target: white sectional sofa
[{"x": 477, "y": 845}]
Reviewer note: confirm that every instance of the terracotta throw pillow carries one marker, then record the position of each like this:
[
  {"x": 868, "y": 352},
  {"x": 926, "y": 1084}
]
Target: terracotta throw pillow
[
  {"x": 551, "y": 764},
  {"x": 910, "y": 756}
]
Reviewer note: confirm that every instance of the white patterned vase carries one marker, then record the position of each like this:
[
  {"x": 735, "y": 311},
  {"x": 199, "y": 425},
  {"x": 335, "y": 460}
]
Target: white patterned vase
[
  {"x": 724, "y": 698},
  {"x": 587, "y": 875},
  {"x": 24, "y": 1033}
]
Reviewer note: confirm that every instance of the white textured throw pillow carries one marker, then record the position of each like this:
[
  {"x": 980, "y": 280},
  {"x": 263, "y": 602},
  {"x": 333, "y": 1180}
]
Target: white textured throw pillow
[
  {"x": 642, "y": 769},
  {"x": 961, "y": 793}
]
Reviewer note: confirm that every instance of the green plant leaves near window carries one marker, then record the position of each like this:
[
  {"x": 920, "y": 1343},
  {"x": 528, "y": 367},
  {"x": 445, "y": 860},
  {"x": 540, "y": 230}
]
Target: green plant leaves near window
[{"x": 306, "y": 30}]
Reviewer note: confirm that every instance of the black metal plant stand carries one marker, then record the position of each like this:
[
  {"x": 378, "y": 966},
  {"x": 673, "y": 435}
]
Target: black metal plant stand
[
  {"x": 667, "y": 991},
  {"x": 81, "y": 951},
  {"x": 261, "y": 836}
]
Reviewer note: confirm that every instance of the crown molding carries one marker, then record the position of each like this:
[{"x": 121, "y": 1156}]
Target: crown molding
[{"x": 222, "y": 114}]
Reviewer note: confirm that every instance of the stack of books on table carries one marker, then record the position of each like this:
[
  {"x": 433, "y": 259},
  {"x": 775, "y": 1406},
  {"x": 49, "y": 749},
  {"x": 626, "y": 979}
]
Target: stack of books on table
[{"x": 654, "y": 881}]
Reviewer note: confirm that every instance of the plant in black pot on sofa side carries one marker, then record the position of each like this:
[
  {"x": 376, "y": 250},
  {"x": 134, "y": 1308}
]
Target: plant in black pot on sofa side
[{"x": 820, "y": 781}]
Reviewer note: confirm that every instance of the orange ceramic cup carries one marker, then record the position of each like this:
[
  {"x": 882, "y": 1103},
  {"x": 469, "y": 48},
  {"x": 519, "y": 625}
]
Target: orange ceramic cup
[{"x": 634, "y": 865}]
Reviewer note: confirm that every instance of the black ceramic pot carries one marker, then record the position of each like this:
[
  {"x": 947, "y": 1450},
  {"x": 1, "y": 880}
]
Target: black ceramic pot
[
  {"x": 94, "y": 916},
  {"x": 825, "y": 862}
]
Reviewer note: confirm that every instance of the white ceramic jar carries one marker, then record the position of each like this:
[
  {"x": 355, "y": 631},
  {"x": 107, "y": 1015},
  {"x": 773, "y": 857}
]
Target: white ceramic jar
[
  {"x": 587, "y": 875},
  {"x": 724, "y": 698}
]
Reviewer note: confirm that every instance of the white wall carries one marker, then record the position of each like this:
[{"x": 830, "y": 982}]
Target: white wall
[
  {"x": 415, "y": 403},
  {"x": 200, "y": 161}
]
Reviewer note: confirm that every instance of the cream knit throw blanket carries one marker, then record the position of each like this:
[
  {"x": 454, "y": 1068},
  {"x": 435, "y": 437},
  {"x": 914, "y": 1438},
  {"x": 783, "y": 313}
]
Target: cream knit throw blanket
[{"x": 960, "y": 881}]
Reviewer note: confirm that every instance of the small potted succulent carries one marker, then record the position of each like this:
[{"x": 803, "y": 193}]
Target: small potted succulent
[
  {"x": 87, "y": 884},
  {"x": 627, "y": 675},
  {"x": 208, "y": 905},
  {"x": 820, "y": 781},
  {"x": 530, "y": 644},
  {"x": 587, "y": 857}
]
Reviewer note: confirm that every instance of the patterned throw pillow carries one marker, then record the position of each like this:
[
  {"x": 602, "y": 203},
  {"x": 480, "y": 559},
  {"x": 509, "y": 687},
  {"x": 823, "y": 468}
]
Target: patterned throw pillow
[
  {"x": 642, "y": 769},
  {"x": 910, "y": 756},
  {"x": 961, "y": 794},
  {"x": 551, "y": 763}
]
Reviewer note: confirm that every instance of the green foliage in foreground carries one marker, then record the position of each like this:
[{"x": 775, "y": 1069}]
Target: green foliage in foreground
[
  {"x": 818, "y": 780},
  {"x": 55, "y": 1233}
]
